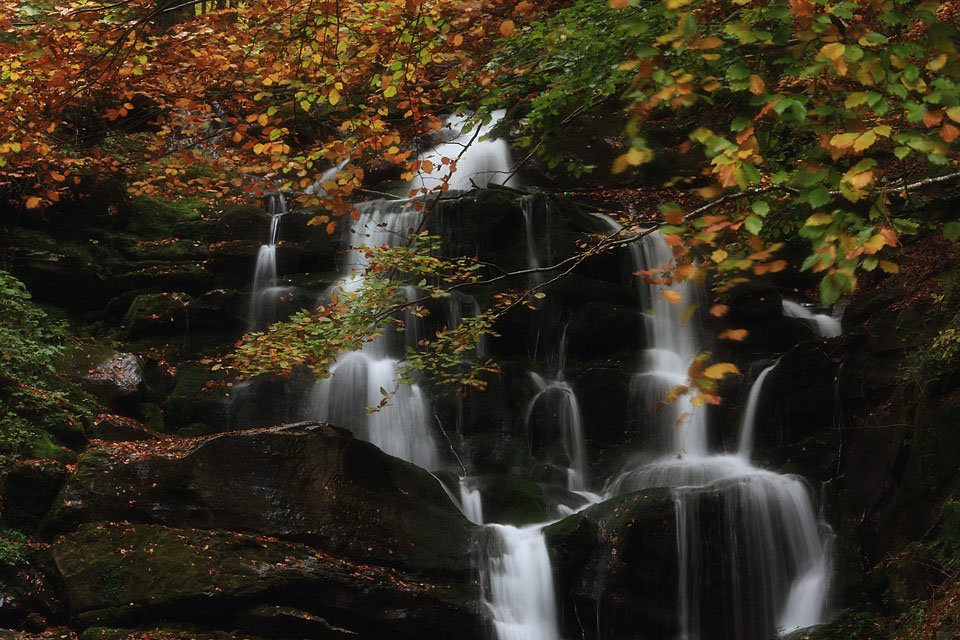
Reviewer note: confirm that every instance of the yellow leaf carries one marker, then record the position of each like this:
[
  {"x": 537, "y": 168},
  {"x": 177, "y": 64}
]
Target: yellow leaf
[
  {"x": 672, "y": 296},
  {"x": 954, "y": 113},
  {"x": 865, "y": 140},
  {"x": 506, "y": 28},
  {"x": 710, "y": 43},
  {"x": 757, "y": 85},
  {"x": 855, "y": 99},
  {"x": 258, "y": 148},
  {"x": 263, "y": 120},
  {"x": 390, "y": 91},
  {"x": 818, "y": 219},
  {"x": 717, "y": 371},
  {"x": 833, "y": 50},
  {"x": 719, "y": 256},
  {"x": 937, "y": 63},
  {"x": 889, "y": 267},
  {"x": 333, "y": 97}
]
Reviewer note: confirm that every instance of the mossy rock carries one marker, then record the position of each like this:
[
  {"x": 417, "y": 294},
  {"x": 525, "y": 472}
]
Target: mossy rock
[
  {"x": 27, "y": 489},
  {"x": 153, "y": 218},
  {"x": 118, "y": 575},
  {"x": 510, "y": 499},
  {"x": 155, "y": 313}
]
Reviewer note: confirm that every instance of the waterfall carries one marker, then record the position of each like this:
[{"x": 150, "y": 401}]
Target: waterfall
[
  {"x": 749, "y": 419},
  {"x": 486, "y": 160},
  {"x": 471, "y": 502},
  {"x": 265, "y": 294},
  {"x": 567, "y": 419},
  {"x": 361, "y": 380},
  {"x": 518, "y": 579},
  {"x": 822, "y": 324},
  {"x": 753, "y": 557}
]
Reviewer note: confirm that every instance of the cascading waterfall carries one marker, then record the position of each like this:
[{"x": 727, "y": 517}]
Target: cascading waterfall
[
  {"x": 265, "y": 293},
  {"x": 362, "y": 380},
  {"x": 750, "y": 546},
  {"x": 518, "y": 579},
  {"x": 485, "y": 161},
  {"x": 823, "y": 325},
  {"x": 749, "y": 420}
]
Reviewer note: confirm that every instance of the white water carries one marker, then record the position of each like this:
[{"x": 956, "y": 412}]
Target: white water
[
  {"x": 471, "y": 503},
  {"x": 564, "y": 409},
  {"x": 472, "y": 159},
  {"x": 748, "y": 422},
  {"x": 822, "y": 324},
  {"x": 265, "y": 293}
]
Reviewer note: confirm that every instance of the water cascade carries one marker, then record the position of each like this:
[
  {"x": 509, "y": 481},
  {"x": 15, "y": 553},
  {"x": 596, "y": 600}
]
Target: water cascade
[
  {"x": 753, "y": 557},
  {"x": 362, "y": 379},
  {"x": 822, "y": 324},
  {"x": 473, "y": 159},
  {"x": 749, "y": 419},
  {"x": 265, "y": 294}
]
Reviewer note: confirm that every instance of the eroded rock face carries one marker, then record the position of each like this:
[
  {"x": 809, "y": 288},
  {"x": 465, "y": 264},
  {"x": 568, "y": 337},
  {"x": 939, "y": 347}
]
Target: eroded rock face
[
  {"x": 306, "y": 482},
  {"x": 615, "y": 567},
  {"x": 122, "y": 574}
]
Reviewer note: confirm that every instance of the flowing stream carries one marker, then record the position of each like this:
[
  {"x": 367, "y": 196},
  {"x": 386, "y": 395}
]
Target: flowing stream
[{"x": 265, "y": 293}]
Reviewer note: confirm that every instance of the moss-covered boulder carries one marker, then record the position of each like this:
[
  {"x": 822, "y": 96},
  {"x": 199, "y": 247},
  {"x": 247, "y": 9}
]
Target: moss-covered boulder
[
  {"x": 153, "y": 218},
  {"x": 131, "y": 575},
  {"x": 155, "y": 313},
  {"x": 510, "y": 499},
  {"x": 308, "y": 482},
  {"x": 615, "y": 567}
]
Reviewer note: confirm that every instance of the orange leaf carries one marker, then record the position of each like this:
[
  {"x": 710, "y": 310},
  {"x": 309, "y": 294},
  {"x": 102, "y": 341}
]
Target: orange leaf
[
  {"x": 932, "y": 118},
  {"x": 719, "y": 370},
  {"x": 33, "y": 202},
  {"x": 757, "y": 85},
  {"x": 719, "y": 310},
  {"x": 672, "y": 296},
  {"x": 734, "y": 334},
  {"x": 619, "y": 4},
  {"x": 506, "y": 28},
  {"x": 949, "y": 132},
  {"x": 58, "y": 177},
  {"x": 331, "y": 227}
]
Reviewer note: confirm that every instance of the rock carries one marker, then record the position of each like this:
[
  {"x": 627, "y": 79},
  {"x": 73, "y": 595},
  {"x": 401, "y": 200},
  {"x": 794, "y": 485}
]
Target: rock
[
  {"x": 156, "y": 313},
  {"x": 615, "y": 567},
  {"x": 598, "y": 330},
  {"x": 122, "y": 574},
  {"x": 603, "y": 391},
  {"x": 27, "y": 489},
  {"x": 510, "y": 499},
  {"x": 114, "y": 428},
  {"x": 198, "y": 395},
  {"x": 307, "y": 482},
  {"x": 116, "y": 381},
  {"x": 219, "y": 309}
]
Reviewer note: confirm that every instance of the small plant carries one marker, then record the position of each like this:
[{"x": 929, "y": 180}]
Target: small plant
[{"x": 13, "y": 548}]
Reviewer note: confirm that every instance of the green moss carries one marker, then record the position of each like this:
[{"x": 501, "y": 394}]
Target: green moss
[
  {"x": 152, "y": 217},
  {"x": 509, "y": 499}
]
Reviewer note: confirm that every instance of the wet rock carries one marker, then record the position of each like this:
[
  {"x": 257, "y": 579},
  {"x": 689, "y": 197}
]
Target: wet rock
[
  {"x": 114, "y": 428},
  {"x": 116, "y": 381},
  {"x": 122, "y": 574},
  {"x": 307, "y": 482},
  {"x": 154, "y": 314},
  {"x": 615, "y": 567},
  {"x": 219, "y": 309},
  {"x": 598, "y": 330}
]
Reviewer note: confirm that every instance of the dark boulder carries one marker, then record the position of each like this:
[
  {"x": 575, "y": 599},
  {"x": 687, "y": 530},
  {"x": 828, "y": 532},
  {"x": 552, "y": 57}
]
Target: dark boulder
[
  {"x": 615, "y": 567},
  {"x": 306, "y": 482},
  {"x": 27, "y": 489},
  {"x": 510, "y": 499},
  {"x": 114, "y": 428}
]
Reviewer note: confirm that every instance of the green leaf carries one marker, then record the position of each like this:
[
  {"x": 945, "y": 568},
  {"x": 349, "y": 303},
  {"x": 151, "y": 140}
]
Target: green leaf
[
  {"x": 952, "y": 230},
  {"x": 753, "y": 224},
  {"x": 760, "y": 207},
  {"x": 818, "y": 197}
]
